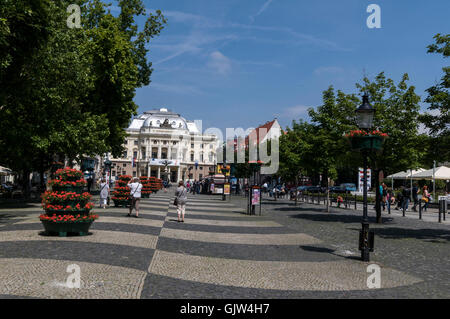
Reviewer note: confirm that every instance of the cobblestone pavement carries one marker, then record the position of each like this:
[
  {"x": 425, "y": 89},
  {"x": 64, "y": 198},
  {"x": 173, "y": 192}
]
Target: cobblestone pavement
[{"x": 220, "y": 252}]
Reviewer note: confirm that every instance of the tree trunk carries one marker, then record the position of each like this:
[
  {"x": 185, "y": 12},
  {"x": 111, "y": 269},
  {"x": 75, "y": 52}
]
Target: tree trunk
[
  {"x": 328, "y": 194},
  {"x": 296, "y": 189},
  {"x": 26, "y": 184}
]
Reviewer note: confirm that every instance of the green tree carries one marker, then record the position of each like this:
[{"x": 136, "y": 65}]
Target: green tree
[
  {"x": 438, "y": 119},
  {"x": 73, "y": 95},
  {"x": 397, "y": 114}
]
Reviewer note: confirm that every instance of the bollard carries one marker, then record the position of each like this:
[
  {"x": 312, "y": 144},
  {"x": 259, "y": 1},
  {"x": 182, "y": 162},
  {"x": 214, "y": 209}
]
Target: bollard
[
  {"x": 420, "y": 210},
  {"x": 442, "y": 207},
  {"x": 355, "y": 202},
  {"x": 403, "y": 210}
]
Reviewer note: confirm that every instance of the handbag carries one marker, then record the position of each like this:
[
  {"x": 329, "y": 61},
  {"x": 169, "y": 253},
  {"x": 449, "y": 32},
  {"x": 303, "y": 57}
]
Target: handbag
[
  {"x": 425, "y": 199},
  {"x": 175, "y": 201}
]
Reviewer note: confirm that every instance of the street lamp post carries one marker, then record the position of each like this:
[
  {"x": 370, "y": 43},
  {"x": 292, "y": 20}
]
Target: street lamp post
[{"x": 364, "y": 119}]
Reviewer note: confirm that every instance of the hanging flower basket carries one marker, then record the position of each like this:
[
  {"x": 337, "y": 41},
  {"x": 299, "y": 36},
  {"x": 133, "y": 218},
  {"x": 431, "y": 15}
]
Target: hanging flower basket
[{"x": 362, "y": 140}]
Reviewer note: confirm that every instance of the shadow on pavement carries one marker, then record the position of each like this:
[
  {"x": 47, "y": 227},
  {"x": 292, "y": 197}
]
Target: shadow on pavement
[
  {"x": 432, "y": 235},
  {"x": 339, "y": 218}
]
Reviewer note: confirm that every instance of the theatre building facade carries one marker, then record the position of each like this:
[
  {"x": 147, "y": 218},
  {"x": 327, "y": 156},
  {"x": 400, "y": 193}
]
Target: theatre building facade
[{"x": 163, "y": 144}]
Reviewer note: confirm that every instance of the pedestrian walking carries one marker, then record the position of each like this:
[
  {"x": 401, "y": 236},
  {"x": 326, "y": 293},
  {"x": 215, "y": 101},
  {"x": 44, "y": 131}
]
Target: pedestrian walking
[
  {"x": 384, "y": 196},
  {"x": 135, "y": 194},
  {"x": 180, "y": 200},
  {"x": 415, "y": 191},
  {"x": 104, "y": 193},
  {"x": 406, "y": 194},
  {"x": 425, "y": 197}
]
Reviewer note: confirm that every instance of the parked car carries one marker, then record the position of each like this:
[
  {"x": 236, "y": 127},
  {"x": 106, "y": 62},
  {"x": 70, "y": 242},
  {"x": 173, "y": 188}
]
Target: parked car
[
  {"x": 348, "y": 187},
  {"x": 314, "y": 189}
]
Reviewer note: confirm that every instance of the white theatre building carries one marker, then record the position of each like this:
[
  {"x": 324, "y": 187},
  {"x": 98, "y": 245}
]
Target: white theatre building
[{"x": 161, "y": 142}]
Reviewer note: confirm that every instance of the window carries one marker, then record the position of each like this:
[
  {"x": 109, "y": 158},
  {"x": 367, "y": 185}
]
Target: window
[
  {"x": 125, "y": 154},
  {"x": 173, "y": 154},
  {"x": 201, "y": 157},
  {"x": 164, "y": 153},
  {"x": 135, "y": 142},
  {"x": 174, "y": 143},
  {"x": 134, "y": 173},
  {"x": 154, "y": 152},
  {"x": 200, "y": 176},
  {"x": 155, "y": 142},
  {"x": 143, "y": 152},
  {"x": 192, "y": 145},
  {"x": 192, "y": 157},
  {"x": 201, "y": 168},
  {"x": 201, "y": 145},
  {"x": 124, "y": 164},
  {"x": 135, "y": 154},
  {"x": 125, "y": 142},
  {"x": 113, "y": 173}
]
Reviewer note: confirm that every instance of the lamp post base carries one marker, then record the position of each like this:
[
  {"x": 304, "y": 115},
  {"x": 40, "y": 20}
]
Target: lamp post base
[{"x": 366, "y": 241}]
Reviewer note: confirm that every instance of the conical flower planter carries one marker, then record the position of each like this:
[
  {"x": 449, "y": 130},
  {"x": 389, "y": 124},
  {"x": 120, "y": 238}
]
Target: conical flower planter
[
  {"x": 121, "y": 193},
  {"x": 67, "y": 208}
]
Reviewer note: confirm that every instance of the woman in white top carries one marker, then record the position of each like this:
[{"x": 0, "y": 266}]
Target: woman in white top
[
  {"x": 135, "y": 194},
  {"x": 104, "y": 193}
]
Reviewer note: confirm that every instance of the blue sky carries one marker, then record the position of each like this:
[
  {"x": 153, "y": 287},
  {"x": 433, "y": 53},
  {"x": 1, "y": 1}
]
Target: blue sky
[{"x": 239, "y": 63}]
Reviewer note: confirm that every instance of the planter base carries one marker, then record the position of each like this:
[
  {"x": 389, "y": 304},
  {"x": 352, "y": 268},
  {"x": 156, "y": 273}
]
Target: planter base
[{"x": 67, "y": 228}]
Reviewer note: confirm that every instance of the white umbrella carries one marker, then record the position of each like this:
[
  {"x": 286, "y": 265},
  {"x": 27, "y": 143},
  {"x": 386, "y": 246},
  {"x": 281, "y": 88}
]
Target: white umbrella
[
  {"x": 405, "y": 175},
  {"x": 441, "y": 172},
  {"x": 5, "y": 171}
]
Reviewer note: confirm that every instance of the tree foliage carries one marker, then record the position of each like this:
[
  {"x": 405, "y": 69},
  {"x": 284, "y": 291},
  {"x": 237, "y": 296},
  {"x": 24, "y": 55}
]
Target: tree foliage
[
  {"x": 438, "y": 119},
  {"x": 68, "y": 90}
]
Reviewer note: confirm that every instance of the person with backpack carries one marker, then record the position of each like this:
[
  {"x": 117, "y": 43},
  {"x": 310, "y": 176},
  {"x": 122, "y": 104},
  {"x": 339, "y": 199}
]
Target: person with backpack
[
  {"x": 180, "y": 200},
  {"x": 135, "y": 194},
  {"x": 406, "y": 194}
]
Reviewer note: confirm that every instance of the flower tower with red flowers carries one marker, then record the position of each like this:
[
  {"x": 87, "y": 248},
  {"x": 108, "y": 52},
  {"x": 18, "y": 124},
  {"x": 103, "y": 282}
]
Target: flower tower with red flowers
[
  {"x": 153, "y": 184},
  {"x": 67, "y": 207},
  {"x": 146, "y": 187},
  {"x": 121, "y": 193}
]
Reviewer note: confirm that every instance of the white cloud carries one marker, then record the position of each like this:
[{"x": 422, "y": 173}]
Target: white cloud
[
  {"x": 261, "y": 10},
  {"x": 219, "y": 63}
]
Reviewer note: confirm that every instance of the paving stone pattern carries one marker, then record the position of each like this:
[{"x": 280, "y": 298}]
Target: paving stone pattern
[{"x": 220, "y": 252}]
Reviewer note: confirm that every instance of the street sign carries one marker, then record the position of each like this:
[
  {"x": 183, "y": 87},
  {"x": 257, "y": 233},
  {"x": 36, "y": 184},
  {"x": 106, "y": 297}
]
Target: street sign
[
  {"x": 226, "y": 188},
  {"x": 361, "y": 179},
  {"x": 256, "y": 193}
]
